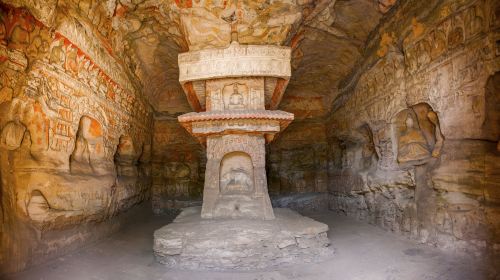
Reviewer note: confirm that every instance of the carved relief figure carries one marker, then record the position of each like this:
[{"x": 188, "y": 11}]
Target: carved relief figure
[
  {"x": 256, "y": 99},
  {"x": 12, "y": 135},
  {"x": 474, "y": 21},
  {"x": 412, "y": 144},
  {"x": 216, "y": 100},
  {"x": 179, "y": 174},
  {"x": 234, "y": 97},
  {"x": 420, "y": 136},
  {"x": 433, "y": 118},
  {"x": 89, "y": 147},
  {"x": 236, "y": 180},
  {"x": 236, "y": 173},
  {"x": 126, "y": 157},
  {"x": 202, "y": 29},
  {"x": 22, "y": 25},
  {"x": 369, "y": 156}
]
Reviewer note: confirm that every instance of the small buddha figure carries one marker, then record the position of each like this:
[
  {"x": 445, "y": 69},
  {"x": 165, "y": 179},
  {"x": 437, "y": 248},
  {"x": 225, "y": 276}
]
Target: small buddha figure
[
  {"x": 57, "y": 56},
  {"x": 20, "y": 34},
  {"x": 72, "y": 60},
  {"x": 236, "y": 99},
  {"x": 12, "y": 134},
  {"x": 412, "y": 144}
]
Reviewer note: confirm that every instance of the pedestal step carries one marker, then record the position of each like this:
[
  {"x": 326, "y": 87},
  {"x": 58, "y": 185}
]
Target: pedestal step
[{"x": 191, "y": 242}]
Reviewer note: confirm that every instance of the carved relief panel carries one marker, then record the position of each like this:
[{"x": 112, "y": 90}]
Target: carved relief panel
[
  {"x": 419, "y": 135},
  {"x": 235, "y": 94},
  {"x": 454, "y": 31},
  {"x": 235, "y": 178},
  {"x": 236, "y": 174}
]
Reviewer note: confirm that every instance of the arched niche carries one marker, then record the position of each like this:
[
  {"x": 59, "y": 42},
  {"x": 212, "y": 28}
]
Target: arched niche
[
  {"x": 418, "y": 134},
  {"x": 89, "y": 152},
  {"x": 126, "y": 157},
  {"x": 38, "y": 207},
  {"x": 236, "y": 174},
  {"x": 368, "y": 150},
  {"x": 125, "y": 151}
]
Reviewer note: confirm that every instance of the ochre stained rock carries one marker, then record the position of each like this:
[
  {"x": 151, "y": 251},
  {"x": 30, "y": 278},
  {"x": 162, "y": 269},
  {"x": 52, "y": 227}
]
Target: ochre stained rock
[{"x": 395, "y": 105}]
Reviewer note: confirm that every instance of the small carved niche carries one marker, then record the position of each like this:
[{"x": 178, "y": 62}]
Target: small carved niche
[
  {"x": 178, "y": 175},
  {"x": 369, "y": 155},
  {"x": 236, "y": 174},
  {"x": 126, "y": 157},
  {"x": 12, "y": 135},
  {"x": 89, "y": 146},
  {"x": 38, "y": 207},
  {"x": 125, "y": 152}
]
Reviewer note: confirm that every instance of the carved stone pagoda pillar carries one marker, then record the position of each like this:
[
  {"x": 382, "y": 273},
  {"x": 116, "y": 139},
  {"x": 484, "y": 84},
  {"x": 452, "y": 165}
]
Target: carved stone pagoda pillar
[{"x": 235, "y": 92}]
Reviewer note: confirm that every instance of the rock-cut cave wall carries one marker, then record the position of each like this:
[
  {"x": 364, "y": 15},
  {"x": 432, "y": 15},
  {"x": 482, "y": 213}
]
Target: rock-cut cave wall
[
  {"x": 178, "y": 167},
  {"x": 411, "y": 143},
  {"x": 296, "y": 163},
  {"x": 415, "y": 136},
  {"x": 75, "y": 139}
]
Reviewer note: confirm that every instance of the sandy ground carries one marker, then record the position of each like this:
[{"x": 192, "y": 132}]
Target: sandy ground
[{"x": 363, "y": 251}]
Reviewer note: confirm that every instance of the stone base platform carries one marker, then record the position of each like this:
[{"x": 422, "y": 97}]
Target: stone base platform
[{"x": 191, "y": 242}]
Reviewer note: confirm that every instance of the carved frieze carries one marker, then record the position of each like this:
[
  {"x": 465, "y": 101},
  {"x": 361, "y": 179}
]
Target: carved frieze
[
  {"x": 235, "y": 61},
  {"x": 452, "y": 32}
]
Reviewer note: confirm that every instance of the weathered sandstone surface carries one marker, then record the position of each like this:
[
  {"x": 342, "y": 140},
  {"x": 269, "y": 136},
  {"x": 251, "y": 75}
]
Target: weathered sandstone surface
[
  {"x": 191, "y": 242},
  {"x": 396, "y": 105}
]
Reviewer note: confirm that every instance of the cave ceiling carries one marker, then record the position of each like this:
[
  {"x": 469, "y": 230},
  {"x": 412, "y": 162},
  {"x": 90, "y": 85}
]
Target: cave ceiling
[{"x": 327, "y": 38}]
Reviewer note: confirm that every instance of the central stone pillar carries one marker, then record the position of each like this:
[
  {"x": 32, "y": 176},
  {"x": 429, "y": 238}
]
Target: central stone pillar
[
  {"x": 235, "y": 93},
  {"x": 231, "y": 88}
]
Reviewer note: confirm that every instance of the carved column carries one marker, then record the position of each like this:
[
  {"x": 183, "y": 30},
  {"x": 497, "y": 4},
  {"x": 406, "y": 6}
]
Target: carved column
[{"x": 231, "y": 89}]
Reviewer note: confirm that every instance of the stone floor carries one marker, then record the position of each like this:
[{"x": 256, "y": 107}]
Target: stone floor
[{"x": 362, "y": 252}]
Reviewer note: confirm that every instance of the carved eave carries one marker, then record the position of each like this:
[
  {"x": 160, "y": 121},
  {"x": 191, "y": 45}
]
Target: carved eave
[
  {"x": 264, "y": 122},
  {"x": 270, "y": 62}
]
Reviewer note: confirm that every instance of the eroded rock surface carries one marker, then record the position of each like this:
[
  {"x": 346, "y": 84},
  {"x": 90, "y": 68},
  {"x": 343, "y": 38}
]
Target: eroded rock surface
[
  {"x": 414, "y": 135},
  {"x": 395, "y": 104},
  {"x": 66, "y": 107}
]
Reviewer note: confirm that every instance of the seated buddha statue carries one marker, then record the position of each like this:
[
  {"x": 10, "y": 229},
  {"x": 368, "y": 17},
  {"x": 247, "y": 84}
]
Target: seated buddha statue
[
  {"x": 236, "y": 99},
  {"x": 412, "y": 144},
  {"x": 236, "y": 180}
]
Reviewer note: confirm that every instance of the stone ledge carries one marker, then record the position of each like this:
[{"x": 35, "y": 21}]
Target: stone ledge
[
  {"x": 236, "y": 114},
  {"x": 191, "y": 242}
]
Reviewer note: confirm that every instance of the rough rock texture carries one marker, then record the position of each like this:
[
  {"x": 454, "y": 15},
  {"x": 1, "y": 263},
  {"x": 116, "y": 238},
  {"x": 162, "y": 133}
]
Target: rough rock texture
[
  {"x": 75, "y": 137},
  {"x": 395, "y": 104},
  {"x": 178, "y": 163},
  {"x": 298, "y": 159},
  {"x": 136, "y": 43},
  {"x": 191, "y": 242},
  {"x": 303, "y": 202},
  {"x": 156, "y": 31},
  {"x": 414, "y": 136}
]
